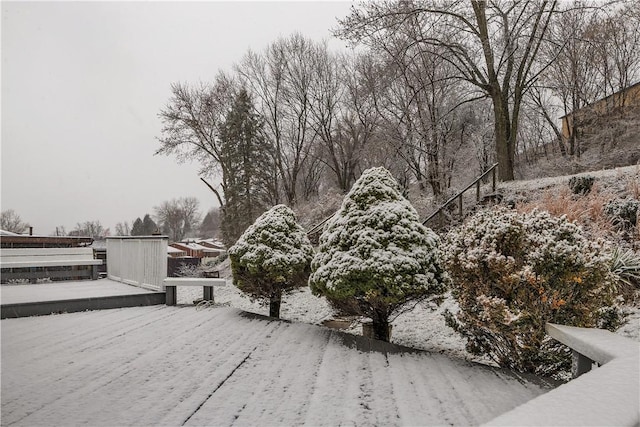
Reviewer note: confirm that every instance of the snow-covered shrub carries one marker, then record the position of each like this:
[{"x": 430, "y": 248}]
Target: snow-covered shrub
[
  {"x": 513, "y": 272},
  {"x": 189, "y": 270},
  {"x": 625, "y": 265},
  {"x": 623, "y": 213},
  {"x": 375, "y": 256},
  {"x": 581, "y": 184},
  {"x": 272, "y": 257}
]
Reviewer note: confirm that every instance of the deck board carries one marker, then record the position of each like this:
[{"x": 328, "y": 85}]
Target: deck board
[
  {"x": 66, "y": 290},
  {"x": 162, "y": 365}
]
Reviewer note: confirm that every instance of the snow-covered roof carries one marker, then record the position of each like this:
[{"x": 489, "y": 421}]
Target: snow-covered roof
[
  {"x": 195, "y": 247},
  {"x": 213, "y": 242},
  {"x": 172, "y": 250},
  {"x": 8, "y": 233}
]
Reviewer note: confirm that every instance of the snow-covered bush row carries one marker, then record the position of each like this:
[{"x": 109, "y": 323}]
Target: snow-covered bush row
[
  {"x": 375, "y": 256},
  {"x": 271, "y": 257},
  {"x": 513, "y": 272}
]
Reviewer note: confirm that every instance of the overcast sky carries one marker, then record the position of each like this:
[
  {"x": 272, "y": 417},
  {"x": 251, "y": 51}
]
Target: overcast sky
[{"x": 82, "y": 85}]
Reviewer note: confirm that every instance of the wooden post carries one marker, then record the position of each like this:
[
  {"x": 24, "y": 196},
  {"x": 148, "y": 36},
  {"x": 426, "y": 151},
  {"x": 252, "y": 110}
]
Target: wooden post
[
  {"x": 208, "y": 293},
  {"x": 580, "y": 364},
  {"x": 460, "y": 205},
  {"x": 478, "y": 191},
  {"x": 171, "y": 295}
]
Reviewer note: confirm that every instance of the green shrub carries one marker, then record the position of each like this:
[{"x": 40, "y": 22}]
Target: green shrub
[
  {"x": 512, "y": 273},
  {"x": 272, "y": 257},
  {"x": 625, "y": 265},
  {"x": 375, "y": 256},
  {"x": 623, "y": 213},
  {"x": 581, "y": 184}
]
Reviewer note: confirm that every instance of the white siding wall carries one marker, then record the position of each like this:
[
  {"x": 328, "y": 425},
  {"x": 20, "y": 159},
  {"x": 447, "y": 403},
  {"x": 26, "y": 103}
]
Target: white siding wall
[{"x": 138, "y": 261}]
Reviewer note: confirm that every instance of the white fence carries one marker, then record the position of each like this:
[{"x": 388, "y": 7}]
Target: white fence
[{"x": 139, "y": 261}]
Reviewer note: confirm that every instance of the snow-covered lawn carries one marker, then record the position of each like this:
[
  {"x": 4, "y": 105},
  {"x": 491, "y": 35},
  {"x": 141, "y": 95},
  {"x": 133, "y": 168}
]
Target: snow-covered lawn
[{"x": 215, "y": 366}]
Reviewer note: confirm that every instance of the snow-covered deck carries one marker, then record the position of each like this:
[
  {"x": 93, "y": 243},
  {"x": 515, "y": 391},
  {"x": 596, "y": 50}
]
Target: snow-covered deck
[
  {"x": 67, "y": 290},
  {"x": 72, "y": 296},
  {"x": 164, "y": 365}
]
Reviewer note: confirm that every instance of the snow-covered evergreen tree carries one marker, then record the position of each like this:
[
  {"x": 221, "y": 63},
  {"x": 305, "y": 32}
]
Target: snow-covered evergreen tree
[
  {"x": 375, "y": 256},
  {"x": 272, "y": 257}
]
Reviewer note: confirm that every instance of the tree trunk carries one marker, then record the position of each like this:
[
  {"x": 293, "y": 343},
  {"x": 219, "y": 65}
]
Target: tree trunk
[
  {"x": 381, "y": 327},
  {"x": 274, "y": 305},
  {"x": 504, "y": 151}
]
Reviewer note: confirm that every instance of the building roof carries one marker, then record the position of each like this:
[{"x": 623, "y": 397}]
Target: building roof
[
  {"x": 13, "y": 240},
  {"x": 174, "y": 250},
  {"x": 194, "y": 247}
]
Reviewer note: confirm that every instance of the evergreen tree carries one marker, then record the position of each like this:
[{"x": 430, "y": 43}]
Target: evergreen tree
[
  {"x": 137, "y": 229},
  {"x": 272, "y": 257},
  {"x": 210, "y": 226},
  {"x": 149, "y": 227},
  {"x": 245, "y": 167},
  {"x": 375, "y": 256}
]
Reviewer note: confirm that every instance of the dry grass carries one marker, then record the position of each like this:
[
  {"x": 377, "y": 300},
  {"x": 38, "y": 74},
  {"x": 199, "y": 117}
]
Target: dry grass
[
  {"x": 633, "y": 186},
  {"x": 587, "y": 210}
]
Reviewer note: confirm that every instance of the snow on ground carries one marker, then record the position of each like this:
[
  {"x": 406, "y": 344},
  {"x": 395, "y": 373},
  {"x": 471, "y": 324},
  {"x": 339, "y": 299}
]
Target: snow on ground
[
  {"x": 615, "y": 176},
  {"x": 420, "y": 328},
  {"x": 164, "y": 365}
]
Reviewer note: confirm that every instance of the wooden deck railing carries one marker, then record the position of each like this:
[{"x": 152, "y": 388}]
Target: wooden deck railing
[
  {"x": 139, "y": 261},
  {"x": 608, "y": 395},
  {"x": 458, "y": 197}
]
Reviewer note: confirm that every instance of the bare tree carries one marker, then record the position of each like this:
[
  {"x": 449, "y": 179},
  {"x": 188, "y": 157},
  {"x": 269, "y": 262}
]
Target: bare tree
[
  {"x": 178, "y": 217},
  {"x": 280, "y": 78},
  {"x": 619, "y": 56},
  {"x": 91, "y": 229},
  {"x": 344, "y": 116},
  {"x": 123, "y": 229},
  {"x": 10, "y": 221},
  {"x": 191, "y": 124},
  {"x": 592, "y": 53},
  {"x": 491, "y": 45},
  {"x": 420, "y": 103},
  {"x": 572, "y": 75}
]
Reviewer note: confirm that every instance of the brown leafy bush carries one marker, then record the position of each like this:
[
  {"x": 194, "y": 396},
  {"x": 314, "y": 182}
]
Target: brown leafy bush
[{"x": 514, "y": 272}]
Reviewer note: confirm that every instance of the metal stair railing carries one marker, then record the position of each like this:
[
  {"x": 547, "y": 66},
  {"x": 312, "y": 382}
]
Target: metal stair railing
[{"x": 458, "y": 197}]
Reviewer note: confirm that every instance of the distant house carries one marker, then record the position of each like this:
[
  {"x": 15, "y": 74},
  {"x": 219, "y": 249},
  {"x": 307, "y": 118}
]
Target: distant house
[
  {"x": 196, "y": 250},
  {"x": 577, "y": 122},
  {"x": 175, "y": 252},
  {"x": 212, "y": 244},
  {"x": 13, "y": 240}
]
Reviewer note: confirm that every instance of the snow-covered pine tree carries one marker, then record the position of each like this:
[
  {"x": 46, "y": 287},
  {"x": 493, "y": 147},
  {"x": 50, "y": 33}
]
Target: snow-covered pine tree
[
  {"x": 375, "y": 256},
  {"x": 272, "y": 257}
]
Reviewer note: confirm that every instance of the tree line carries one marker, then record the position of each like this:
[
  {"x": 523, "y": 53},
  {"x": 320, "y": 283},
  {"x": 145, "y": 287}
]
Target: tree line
[
  {"x": 429, "y": 89},
  {"x": 178, "y": 219}
]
